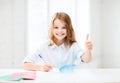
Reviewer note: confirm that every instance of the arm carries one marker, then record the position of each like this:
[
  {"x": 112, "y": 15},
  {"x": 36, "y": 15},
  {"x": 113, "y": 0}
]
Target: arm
[
  {"x": 86, "y": 57},
  {"x": 32, "y": 66}
]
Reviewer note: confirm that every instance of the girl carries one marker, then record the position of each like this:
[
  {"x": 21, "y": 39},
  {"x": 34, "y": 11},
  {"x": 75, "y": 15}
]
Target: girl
[{"x": 62, "y": 48}]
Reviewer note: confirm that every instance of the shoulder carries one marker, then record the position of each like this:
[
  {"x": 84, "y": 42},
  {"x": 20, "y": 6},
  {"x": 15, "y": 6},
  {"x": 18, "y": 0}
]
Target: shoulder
[
  {"x": 77, "y": 48},
  {"x": 75, "y": 44}
]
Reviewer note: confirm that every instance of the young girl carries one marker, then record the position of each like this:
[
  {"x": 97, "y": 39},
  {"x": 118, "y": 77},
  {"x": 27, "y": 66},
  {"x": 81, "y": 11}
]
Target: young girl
[{"x": 62, "y": 48}]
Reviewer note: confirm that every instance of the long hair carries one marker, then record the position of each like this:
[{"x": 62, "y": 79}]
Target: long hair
[{"x": 70, "y": 38}]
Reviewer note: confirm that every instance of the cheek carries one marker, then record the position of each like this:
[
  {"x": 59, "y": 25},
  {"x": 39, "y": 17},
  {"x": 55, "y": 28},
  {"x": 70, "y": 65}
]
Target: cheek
[
  {"x": 65, "y": 32},
  {"x": 54, "y": 32}
]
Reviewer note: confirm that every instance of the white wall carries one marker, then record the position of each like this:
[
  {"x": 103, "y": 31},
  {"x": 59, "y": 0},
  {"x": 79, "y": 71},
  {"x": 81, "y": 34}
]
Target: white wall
[
  {"x": 95, "y": 30},
  {"x": 110, "y": 33},
  {"x": 12, "y": 32},
  {"x": 37, "y": 24},
  {"x": 105, "y": 29}
]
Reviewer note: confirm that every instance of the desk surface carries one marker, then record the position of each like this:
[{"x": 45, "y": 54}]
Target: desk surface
[{"x": 77, "y": 76}]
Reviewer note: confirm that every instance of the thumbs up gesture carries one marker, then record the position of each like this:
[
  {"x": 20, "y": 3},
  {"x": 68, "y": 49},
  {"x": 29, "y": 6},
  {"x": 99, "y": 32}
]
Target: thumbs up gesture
[
  {"x": 86, "y": 57},
  {"x": 88, "y": 43}
]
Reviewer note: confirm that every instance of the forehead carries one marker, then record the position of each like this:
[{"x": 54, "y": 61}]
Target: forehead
[{"x": 59, "y": 22}]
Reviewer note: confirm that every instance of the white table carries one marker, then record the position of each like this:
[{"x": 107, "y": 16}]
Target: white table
[{"x": 78, "y": 76}]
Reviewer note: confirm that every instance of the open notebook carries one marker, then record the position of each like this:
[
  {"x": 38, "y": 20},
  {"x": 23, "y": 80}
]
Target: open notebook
[{"x": 28, "y": 75}]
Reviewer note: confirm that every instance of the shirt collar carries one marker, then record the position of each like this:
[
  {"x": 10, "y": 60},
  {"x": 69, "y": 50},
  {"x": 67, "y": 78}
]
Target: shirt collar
[{"x": 55, "y": 46}]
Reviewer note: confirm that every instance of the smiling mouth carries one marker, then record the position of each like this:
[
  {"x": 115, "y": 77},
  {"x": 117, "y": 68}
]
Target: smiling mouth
[{"x": 60, "y": 34}]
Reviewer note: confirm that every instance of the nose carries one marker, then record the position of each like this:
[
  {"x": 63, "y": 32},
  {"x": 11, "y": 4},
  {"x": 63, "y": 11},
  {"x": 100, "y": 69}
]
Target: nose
[{"x": 59, "y": 30}]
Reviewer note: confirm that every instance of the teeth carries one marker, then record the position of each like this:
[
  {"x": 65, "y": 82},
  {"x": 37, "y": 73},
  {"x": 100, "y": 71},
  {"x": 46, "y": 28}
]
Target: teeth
[{"x": 59, "y": 34}]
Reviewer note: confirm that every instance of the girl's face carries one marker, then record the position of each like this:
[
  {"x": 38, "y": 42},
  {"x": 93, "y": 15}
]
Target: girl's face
[{"x": 59, "y": 30}]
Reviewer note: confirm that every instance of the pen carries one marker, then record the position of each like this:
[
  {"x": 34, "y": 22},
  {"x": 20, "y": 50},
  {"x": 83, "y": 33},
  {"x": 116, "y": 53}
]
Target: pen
[{"x": 42, "y": 58}]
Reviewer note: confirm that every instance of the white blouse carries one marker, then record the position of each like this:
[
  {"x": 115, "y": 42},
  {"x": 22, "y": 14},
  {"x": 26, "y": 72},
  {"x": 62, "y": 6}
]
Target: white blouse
[{"x": 56, "y": 56}]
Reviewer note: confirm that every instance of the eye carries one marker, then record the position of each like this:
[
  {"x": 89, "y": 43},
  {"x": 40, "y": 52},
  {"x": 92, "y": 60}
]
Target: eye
[
  {"x": 63, "y": 27},
  {"x": 55, "y": 27}
]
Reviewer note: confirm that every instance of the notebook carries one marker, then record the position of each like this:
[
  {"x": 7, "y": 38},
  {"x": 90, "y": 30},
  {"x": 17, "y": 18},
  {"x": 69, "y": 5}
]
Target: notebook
[{"x": 29, "y": 75}]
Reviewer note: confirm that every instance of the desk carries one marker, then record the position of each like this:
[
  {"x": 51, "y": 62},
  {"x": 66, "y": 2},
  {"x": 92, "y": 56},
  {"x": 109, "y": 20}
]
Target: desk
[{"x": 78, "y": 76}]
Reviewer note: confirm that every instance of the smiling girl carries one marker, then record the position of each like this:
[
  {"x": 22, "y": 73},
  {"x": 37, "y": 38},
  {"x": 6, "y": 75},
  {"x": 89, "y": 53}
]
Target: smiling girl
[{"x": 62, "y": 49}]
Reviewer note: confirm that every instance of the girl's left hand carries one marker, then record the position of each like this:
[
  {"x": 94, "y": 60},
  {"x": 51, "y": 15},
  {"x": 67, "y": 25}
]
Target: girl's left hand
[
  {"x": 86, "y": 57},
  {"x": 88, "y": 43}
]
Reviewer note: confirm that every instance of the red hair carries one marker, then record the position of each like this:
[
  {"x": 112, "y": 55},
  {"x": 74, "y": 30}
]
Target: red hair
[{"x": 70, "y": 38}]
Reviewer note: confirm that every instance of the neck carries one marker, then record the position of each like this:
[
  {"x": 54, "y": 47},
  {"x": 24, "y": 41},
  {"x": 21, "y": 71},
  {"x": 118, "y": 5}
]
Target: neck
[{"x": 58, "y": 42}]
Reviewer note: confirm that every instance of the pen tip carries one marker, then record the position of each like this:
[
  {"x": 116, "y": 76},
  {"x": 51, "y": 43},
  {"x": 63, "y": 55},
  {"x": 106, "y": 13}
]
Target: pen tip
[{"x": 40, "y": 56}]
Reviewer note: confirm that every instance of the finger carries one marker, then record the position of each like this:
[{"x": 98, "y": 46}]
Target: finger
[
  {"x": 87, "y": 37},
  {"x": 46, "y": 69},
  {"x": 89, "y": 45},
  {"x": 47, "y": 65}
]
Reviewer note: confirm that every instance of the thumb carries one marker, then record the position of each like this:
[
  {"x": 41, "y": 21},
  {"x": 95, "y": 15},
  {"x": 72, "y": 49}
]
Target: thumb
[{"x": 87, "y": 37}]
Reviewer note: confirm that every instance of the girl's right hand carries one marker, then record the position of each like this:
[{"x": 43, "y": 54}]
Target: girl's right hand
[{"x": 45, "y": 68}]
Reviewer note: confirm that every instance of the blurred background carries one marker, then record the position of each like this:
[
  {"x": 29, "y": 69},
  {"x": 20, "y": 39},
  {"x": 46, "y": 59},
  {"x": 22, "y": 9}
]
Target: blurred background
[{"x": 24, "y": 27}]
